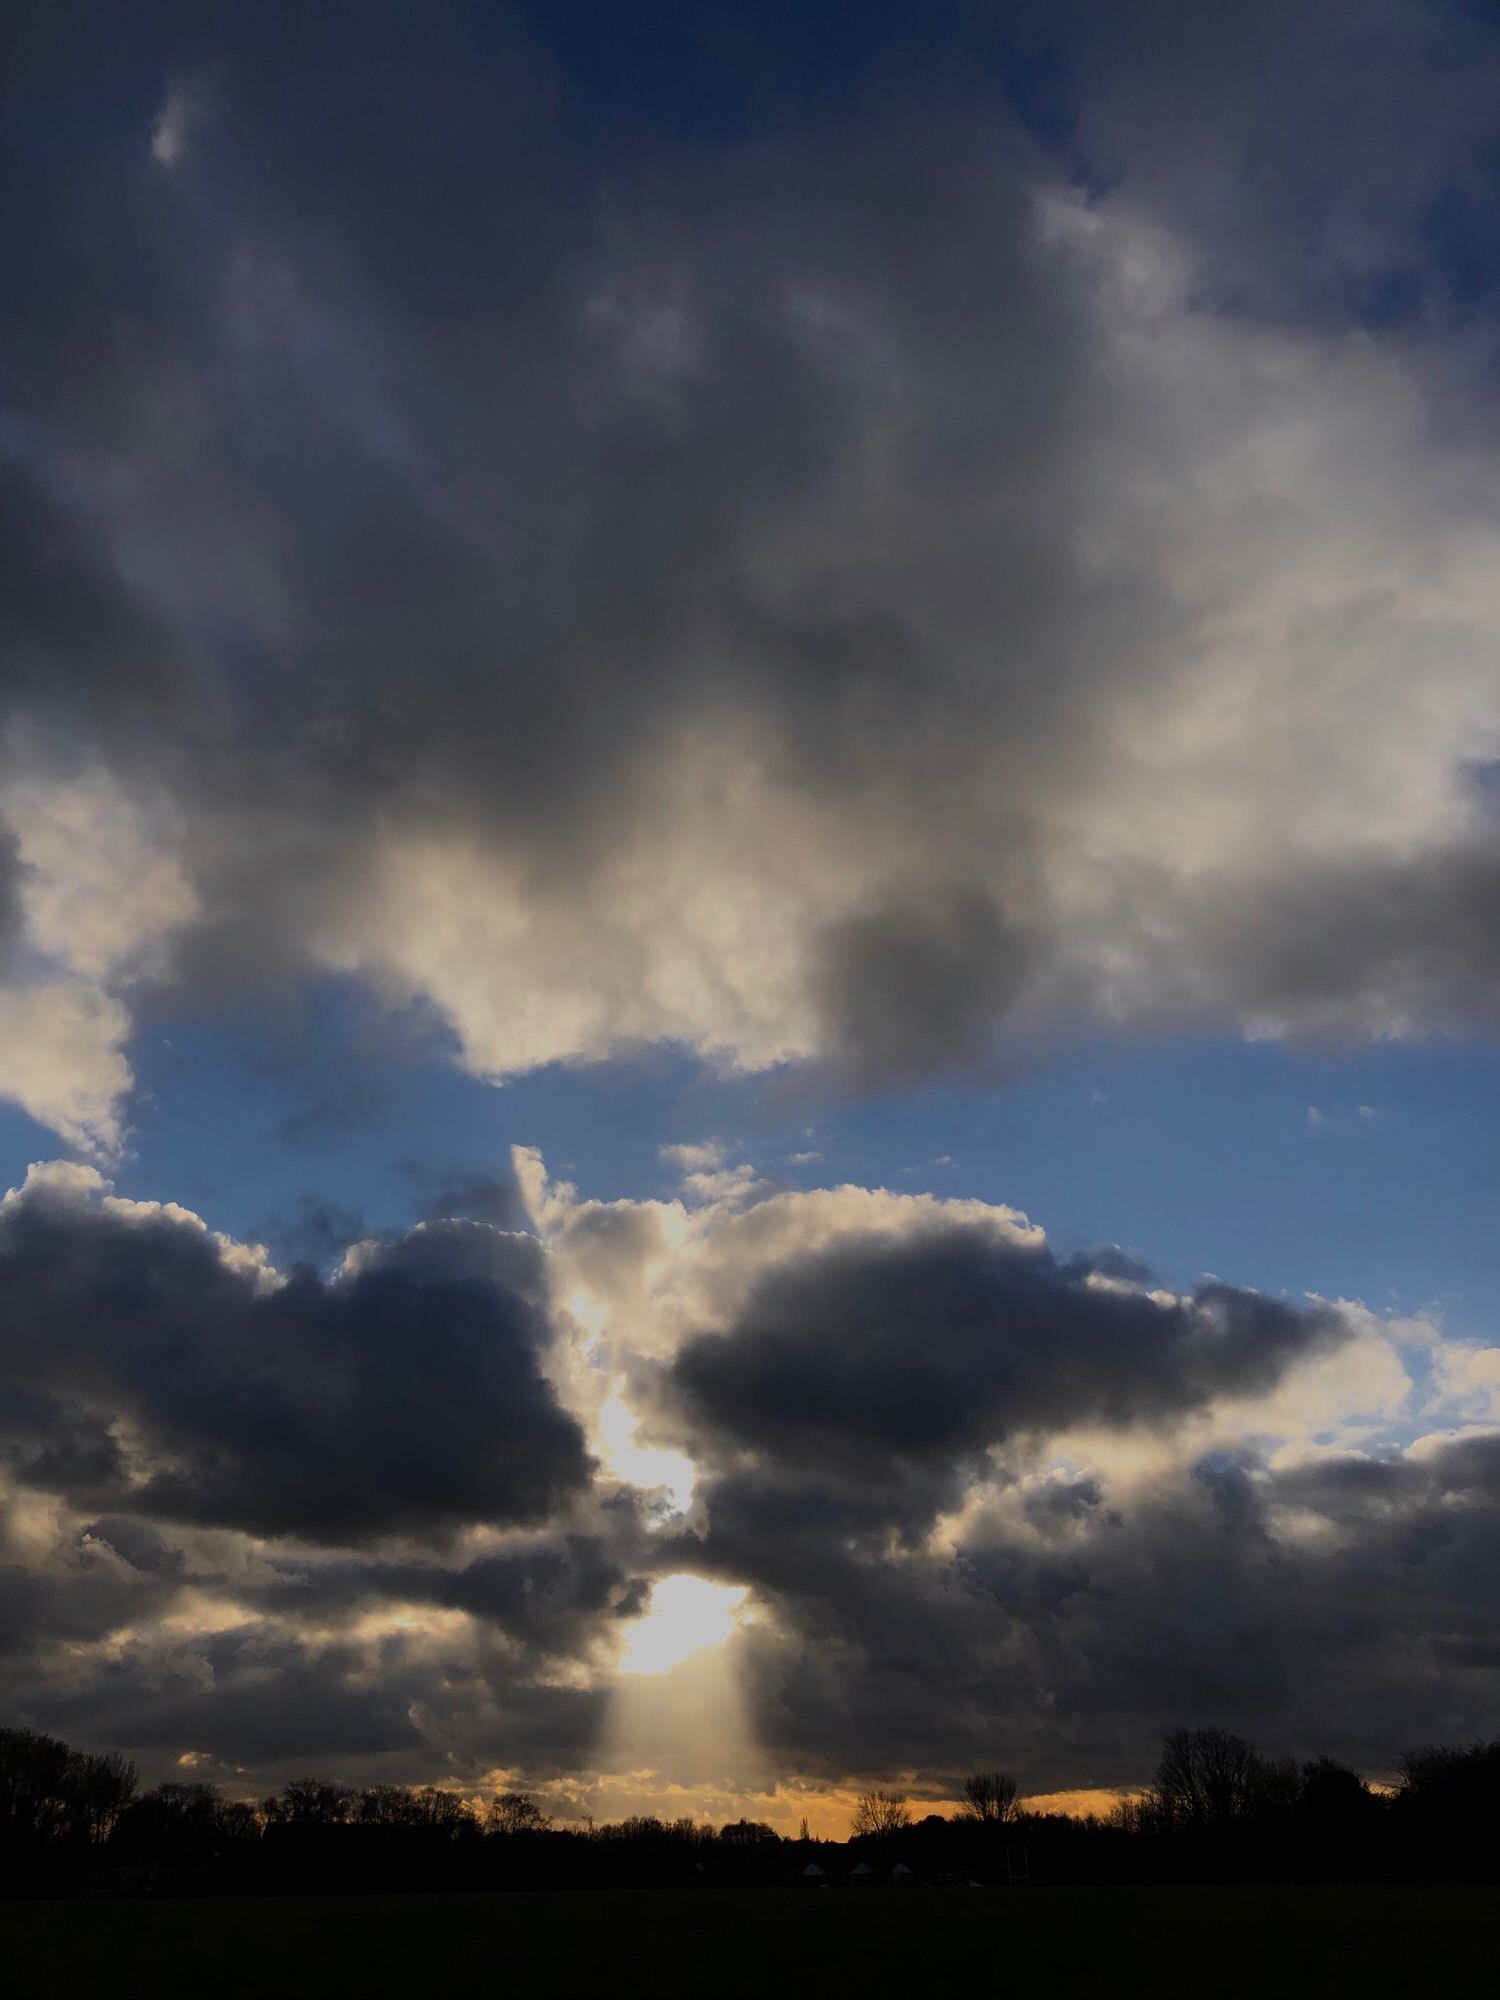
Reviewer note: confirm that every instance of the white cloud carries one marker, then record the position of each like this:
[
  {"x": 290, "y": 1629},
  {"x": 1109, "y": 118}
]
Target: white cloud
[
  {"x": 174, "y": 124},
  {"x": 1466, "y": 1382},
  {"x": 101, "y": 888},
  {"x": 1291, "y": 530},
  {"x": 104, "y": 882},
  {"x": 62, "y": 1060}
]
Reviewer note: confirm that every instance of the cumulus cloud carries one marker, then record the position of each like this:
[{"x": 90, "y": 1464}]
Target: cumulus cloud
[
  {"x": 972, "y": 605},
  {"x": 398, "y": 1520},
  {"x": 152, "y": 1368},
  {"x": 933, "y": 1347},
  {"x": 62, "y": 1060}
]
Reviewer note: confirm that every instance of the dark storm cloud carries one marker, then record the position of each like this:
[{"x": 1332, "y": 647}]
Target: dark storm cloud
[
  {"x": 1066, "y": 1642},
  {"x": 876, "y": 1356},
  {"x": 246, "y": 1698},
  {"x": 352, "y": 1660},
  {"x": 1062, "y": 1621},
  {"x": 405, "y": 1396},
  {"x": 67, "y": 1603},
  {"x": 405, "y": 477},
  {"x": 549, "y": 1598},
  {"x": 78, "y": 647},
  {"x": 57, "y": 1444},
  {"x": 320, "y": 1658}
]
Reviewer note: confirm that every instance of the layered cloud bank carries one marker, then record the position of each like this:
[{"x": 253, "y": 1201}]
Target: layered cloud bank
[
  {"x": 850, "y": 594},
  {"x": 399, "y": 1520}
]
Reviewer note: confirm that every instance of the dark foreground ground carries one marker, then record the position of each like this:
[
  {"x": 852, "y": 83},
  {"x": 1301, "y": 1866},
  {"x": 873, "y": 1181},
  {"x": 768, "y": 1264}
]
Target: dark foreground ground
[{"x": 1206, "y": 1943}]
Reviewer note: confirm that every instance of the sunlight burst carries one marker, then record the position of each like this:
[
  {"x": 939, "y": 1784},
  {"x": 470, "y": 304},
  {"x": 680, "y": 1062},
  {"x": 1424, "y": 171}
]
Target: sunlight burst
[{"x": 688, "y": 1615}]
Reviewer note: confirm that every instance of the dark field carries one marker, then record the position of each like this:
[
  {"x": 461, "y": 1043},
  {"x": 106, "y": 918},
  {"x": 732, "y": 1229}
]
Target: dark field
[{"x": 1201, "y": 1942}]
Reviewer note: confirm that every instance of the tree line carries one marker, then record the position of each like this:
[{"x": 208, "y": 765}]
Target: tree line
[{"x": 76, "y": 1821}]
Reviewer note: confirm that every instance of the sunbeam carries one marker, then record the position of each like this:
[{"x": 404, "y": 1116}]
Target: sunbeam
[
  {"x": 688, "y": 1615},
  {"x": 677, "y": 1718}
]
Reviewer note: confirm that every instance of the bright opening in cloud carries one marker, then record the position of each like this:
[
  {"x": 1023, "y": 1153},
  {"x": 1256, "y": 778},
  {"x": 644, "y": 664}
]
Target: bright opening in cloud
[
  {"x": 644, "y": 1465},
  {"x": 688, "y": 1615}
]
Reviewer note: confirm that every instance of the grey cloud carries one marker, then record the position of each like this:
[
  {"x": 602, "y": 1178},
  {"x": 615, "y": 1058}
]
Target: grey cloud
[
  {"x": 310, "y": 1230},
  {"x": 915, "y": 988},
  {"x": 272, "y": 1693},
  {"x": 466, "y": 1192},
  {"x": 11, "y": 877},
  {"x": 138, "y": 1543},
  {"x": 246, "y": 1698},
  {"x": 1334, "y": 162},
  {"x": 1416, "y": 937},
  {"x": 1069, "y": 1646},
  {"x": 49, "y": 1442},
  {"x": 69, "y": 1604},
  {"x": 489, "y": 505},
  {"x": 874, "y": 1357},
  {"x": 406, "y": 1396},
  {"x": 549, "y": 1597}
]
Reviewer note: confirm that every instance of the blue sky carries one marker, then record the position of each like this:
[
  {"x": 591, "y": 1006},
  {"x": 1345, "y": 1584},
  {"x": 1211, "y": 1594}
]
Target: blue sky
[{"x": 1367, "y": 1173}]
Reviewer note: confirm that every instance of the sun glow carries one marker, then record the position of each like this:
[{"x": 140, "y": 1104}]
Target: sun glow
[
  {"x": 688, "y": 1615},
  {"x": 642, "y": 1464},
  {"x": 678, "y": 1726}
]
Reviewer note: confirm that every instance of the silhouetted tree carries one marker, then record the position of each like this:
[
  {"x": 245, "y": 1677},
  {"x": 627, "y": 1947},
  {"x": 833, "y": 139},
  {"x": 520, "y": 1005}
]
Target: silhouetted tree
[
  {"x": 1218, "y": 1811},
  {"x": 50, "y": 1793},
  {"x": 1331, "y": 1795},
  {"x": 880, "y": 1813},
  {"x": 185, "y": 1826},
  {"x": 35, "y": 1774},
  {"x": 418, "y": 1808},
  {"x": 102, "y": 1786},
  {"x": 1449, "y": 1797},
  {"x": 1208, "y": 1776},
  {"x": 990, "y": 1798},
  {"x": 310, "y": 1802},
  {"x": 515, "y": 1812}
]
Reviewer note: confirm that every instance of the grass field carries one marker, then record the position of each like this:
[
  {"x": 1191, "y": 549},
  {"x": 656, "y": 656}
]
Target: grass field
[{"x": 1172, "y": 1942}]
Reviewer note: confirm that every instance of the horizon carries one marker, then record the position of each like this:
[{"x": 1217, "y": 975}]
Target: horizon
[{"x": 749, "y": 856}]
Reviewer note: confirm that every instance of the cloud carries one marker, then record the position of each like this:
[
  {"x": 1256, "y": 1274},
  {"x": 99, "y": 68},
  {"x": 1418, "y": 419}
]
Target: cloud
[
  {"x": 985, "y": 1499},
  {"x": 972, "y": 608},
  {"x": 160, "y": 1371},
  {"x": 62, "y": 1060},
  {"x": 930, "y": 1348},
  {"x": 180, "y": 112},
  {"x": 875, "y": 592}
]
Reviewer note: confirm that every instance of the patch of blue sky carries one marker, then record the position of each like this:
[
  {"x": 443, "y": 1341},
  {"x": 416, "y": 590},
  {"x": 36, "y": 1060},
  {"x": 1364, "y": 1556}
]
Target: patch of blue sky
[{"x": 1374, "y": 1173}]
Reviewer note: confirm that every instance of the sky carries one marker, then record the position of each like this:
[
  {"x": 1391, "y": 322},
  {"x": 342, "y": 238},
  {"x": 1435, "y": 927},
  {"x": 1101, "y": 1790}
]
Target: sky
[{"x": 749, "y": 891}]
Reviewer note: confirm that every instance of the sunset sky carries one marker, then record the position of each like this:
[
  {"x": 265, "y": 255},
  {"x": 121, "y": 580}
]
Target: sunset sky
[{"x": 749, "y": 848}]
